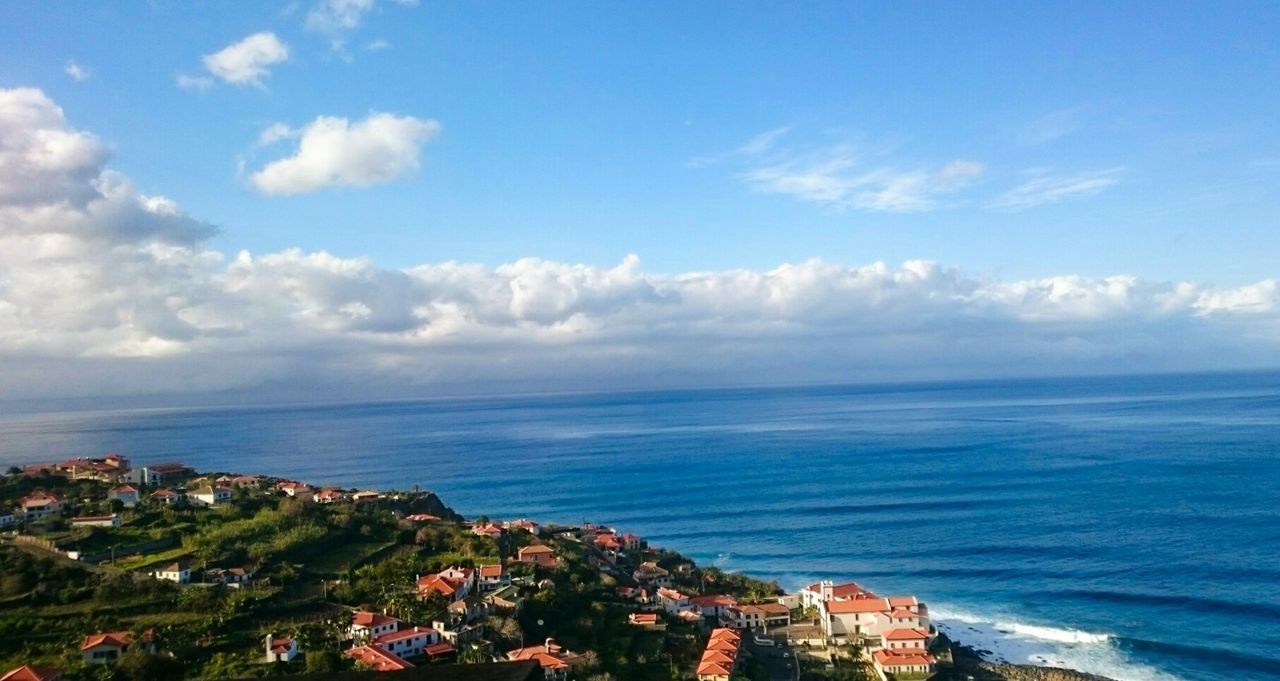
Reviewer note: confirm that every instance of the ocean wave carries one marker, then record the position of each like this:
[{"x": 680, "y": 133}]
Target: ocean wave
[{"x": 1003, "y": 639}]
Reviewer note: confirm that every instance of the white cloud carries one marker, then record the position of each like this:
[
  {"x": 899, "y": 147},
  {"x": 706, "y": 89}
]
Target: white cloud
[
  {"x": 276, "y": 132},
  {"x": 194, "y": 83},
  {"x": 106, "y": 290},
  {"x": 337, "y": 18},
  {"x": 836, "y": 177},
  {"x": 334, "y": 152},
  {"x": 1044, "y": 187},
  {"x": 247, "y": 61},
  {"x": 377, "y": 44},
  {"x": 77, "y": 72}
]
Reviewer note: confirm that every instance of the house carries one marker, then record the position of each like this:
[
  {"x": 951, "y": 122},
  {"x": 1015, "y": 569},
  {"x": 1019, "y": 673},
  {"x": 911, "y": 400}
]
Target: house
[
  {"x": 826, "y": 590},
  {"x": 651, "y": 574},
  {"x": 523, "y": 524},
  {"x": 40, "y": 505},
  {"x": 470, "y": 609},
  {"x": 112, "y": 520},
  {"x": 125, "y": 494},
  {"x": 293, "y": 489},
  {"x": 369, "y": 625},
  {"x": 407, "y": 642},
  {"x": 28, "y": 673},
  {"x": 245, "y": 481},
  {"x": 422, "y": 518},
  {"x": 631, "y": 542},
  {"x": 106, "y": 648},
  {"x": 90, "y": 469},
  {"x": 487, "y": 530},
  {"x": 160, "y": 474},
  {"x": 329, "y": 496},
  {"x": 457, "y": 631},
  {"x": 365, "y": 496},
  {"x": 178, "y": 572},
  {"x": 491, "y": 577},
  {"x": 902, "y": 662},
  {"x": 720, "y": 657},
  {"x": 235, "y": 578},
  {"x": 282, "y": 649},
  {"x": 538, "y": 554},
  {"x": 775, "y": 614},
  {"x": 643, "y": 619},
  {"x": 377, "y": 659},
  {"x": 165, "y": 497},
  {"x": 209, "y": 496},
  {"x": 672, "y": 601},
  {"x": 608, "y": 542},
  {"x": 506, "y": 599},
  {"x": 712, "y": 605},
  {"x": 906, "y": 639},
  {"x": 453, "y": 583},
  {"x": 551, "y": 657},
  {"x": 869, "y": 617}
]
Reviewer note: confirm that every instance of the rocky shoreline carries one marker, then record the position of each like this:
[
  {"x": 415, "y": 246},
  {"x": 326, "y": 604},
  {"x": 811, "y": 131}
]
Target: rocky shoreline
[{"x": 971, "y": 663}]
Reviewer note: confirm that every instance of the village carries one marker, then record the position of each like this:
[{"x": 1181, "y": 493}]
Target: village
[{"x": 308, "y": 579}]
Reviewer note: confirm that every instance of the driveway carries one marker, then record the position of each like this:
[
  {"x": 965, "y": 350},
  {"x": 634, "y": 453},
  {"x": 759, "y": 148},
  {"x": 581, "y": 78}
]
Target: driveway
[{"x": 779, "y": 659}]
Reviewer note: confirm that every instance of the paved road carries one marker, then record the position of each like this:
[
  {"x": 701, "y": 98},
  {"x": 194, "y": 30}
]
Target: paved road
[{"x": 779, "y": 659}]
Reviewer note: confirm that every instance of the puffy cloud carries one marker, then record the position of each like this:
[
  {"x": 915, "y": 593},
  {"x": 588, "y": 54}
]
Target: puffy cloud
[
  {"x": 108, "y": 291},
  {"x": 333, "y": 151},
  {"x": 247, "y": 61}
]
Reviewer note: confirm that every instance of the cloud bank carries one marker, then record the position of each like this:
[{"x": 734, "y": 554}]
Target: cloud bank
[{"x": 107, "y": 291}]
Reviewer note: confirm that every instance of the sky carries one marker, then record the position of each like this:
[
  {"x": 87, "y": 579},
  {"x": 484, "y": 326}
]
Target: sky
[{"x": 370, "y": 197}]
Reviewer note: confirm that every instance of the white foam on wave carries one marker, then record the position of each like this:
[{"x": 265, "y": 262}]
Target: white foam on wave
[{"x": 1004, "y": 639}]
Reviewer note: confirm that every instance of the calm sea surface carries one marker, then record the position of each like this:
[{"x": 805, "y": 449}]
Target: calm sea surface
[{"x": 1126, "y": 526}]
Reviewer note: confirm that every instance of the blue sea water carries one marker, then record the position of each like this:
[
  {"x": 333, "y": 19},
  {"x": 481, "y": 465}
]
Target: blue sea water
[{"x": 1125, "y": 526}]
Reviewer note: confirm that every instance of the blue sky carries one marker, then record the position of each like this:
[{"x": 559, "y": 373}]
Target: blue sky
[
  {"x": 453, "y": 193},
  {"x": 572, "y": 132}
]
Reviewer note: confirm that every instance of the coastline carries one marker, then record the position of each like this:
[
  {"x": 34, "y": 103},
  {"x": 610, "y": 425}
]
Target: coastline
[{"x": 970, "y": 662}]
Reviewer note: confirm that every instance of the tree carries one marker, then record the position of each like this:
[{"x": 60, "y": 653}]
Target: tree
[{"x": 324, "y": 660}]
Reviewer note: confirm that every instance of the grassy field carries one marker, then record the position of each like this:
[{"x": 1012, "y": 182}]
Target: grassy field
[
  {"x": 153, "y": 559},
  {"x": 344, "y": 557}
]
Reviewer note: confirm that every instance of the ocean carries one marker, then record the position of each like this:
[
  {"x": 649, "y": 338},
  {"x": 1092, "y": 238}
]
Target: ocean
[{"x": 1127, "y": 526}]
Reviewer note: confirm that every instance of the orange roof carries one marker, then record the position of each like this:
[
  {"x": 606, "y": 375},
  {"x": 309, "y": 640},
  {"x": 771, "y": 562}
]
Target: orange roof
[
  {"x": 898, "y": 658},
  {"x": 281, "y": 645},
  {"x": 28, "y": 673},
  {"x": 536, "y": 548},
  {"x": 440, "y": 648},
  {"x": 903, "y": 601},
  {"x": 421, "y": 518},
  {"x": 904, "y": 614},
  {"x": 705, "y": 601},
  {"x": 858, "y": 605},
  {"x": 491, "y": 570},
  {"x": 916, "y": 634},
  {"x": 547, "y": 660},
  {"x": 120, "y": 639},
  {"x": 364, "y": 618},
  {"x": 377, "y": 659},
  {"x": 717, "y": 656},
  {"x": 714, "y": 669},
  {"x": 723, "y": 633},
  {"x": 722, "y": 644},
  {"x": 122, "y": 489},
  {"x": 644, "y": 618},
  {"x": 404, "y": 634},
  {"x": 437, "y": 583}
]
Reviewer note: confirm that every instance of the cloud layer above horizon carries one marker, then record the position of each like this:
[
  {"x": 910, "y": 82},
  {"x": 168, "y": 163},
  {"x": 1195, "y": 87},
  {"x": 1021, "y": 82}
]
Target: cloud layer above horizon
[{"x": 107, "y": 291}]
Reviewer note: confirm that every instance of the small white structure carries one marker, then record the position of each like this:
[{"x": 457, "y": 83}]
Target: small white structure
[
  {"x": 178, "y": 573},
  {"x": 282, "y": 649},
  {"x": 369, "y": 625},
  {"x": 125, "y": 494},
  {"x": 408, "y": 642},
  {"x": 209, "y": 496},
  {"x": 112, "y": 520}
]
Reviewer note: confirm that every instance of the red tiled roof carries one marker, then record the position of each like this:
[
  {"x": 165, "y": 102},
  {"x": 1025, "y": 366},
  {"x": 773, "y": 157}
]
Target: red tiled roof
[
  {"x": 904, "y": 614},
  {"x": 377, "y": 659},
  {"x": 404, "y": 634},
  {"x": 364, "y": 618},
  {"x": 491, "y": 571},
  {"x": 535, "y": 548},
  {"x": 915, "y": 634},
  {"x": 899, "y": 658},
  {"x": 903, "y": 601},
  {"x": 858, "y": 605},
  {"x": 644, "y": 618},
  {"x": 121, "y": 639},
  {"x": 713, "y": 600},
  {"x": 714, "y": 669},
  {"x": 123, "y": 489},
  {"x": 281, "y": 645},
  {"x": 421, "y": 518},
  {"x": 723, "y": 644},
  {"x": 723, "y": 633},
  {"x": 717, "y": 656},
  {"x": 28, "y": 673},
  {"x": 441, "y": 648}
]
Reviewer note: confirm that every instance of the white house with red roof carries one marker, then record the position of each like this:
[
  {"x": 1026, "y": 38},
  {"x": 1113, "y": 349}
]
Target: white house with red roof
[
  {"x": 906, "y": 639},
  {"x": 166, "y": 497},
  {"x": 826, "y": 590},
  {"x": 291, "y": 488},
  {"x": 109, "y": 520},
  {"x": 40, "y": 505},
  {"x": 492, "y": 577},
  {"x": 107, "y": 647},
  {"x": 377, "y": 659},
  {"x": 902, "y": 661},
  {"x": 178, "y": 573},
  {"x": 409, "y": 642},
  {"x": 712, "y": 605},
  {"x": 280, "y": 648},
  {"x": 329, "y": 496},
  {"x": 524, "y": 524},
  {"x": 453, "y": 583},
  {"x": 367, "y": 625},
  {"x": 673, "y": 601},
  {"x": 125, "y": 494},
  {"x": 489, "y": 530}
]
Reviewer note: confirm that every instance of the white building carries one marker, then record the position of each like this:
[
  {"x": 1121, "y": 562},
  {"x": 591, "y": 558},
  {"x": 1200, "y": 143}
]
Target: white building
[
  {"x": 408, "y": 642},
  {"x": 282, "y": 649},
  {"x": 209, "y": 496},
  {"x": 369, "y": 625},
  {"x": 179, "y": 573}
]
